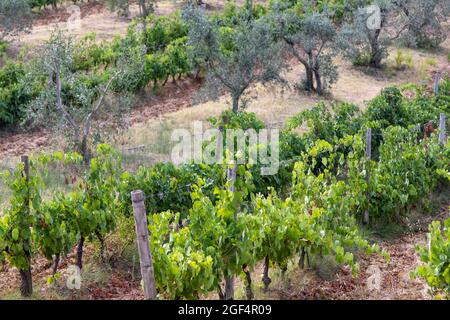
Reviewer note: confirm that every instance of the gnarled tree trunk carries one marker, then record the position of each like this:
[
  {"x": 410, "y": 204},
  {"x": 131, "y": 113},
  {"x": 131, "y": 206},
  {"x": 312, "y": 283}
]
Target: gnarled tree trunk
[
  {"x": 26, "y": 282},
  {"x": 319, "y": 86},
  {"x": 229, "y": 288},
  {"x": 266, "y": 280}
]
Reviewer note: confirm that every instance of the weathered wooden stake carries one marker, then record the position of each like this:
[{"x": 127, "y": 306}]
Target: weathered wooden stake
[
  {"x": 145, "y": 256},
  {"x": 26, "y": 285},
  {"x": 369, "y": 156},
  {"x": 229, "y": 281},
  {"x": 219, "y": 146},
  {"x": 437, "y": 78},
  {"x": 442, "y": 125}
]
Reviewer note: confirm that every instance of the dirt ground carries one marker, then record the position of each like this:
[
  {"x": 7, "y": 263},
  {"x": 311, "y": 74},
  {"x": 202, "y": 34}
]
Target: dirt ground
[{"x": 96, "y": 17}]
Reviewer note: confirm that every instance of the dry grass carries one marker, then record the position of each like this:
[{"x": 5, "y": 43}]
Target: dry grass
[{"x": 107, "y": 24}]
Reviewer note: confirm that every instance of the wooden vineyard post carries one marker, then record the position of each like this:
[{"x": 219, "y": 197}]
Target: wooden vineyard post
[
  {"x": 145, "y": 256},
  {"x": 442, "y": 123},
  {"x": 26, "y": 285},
  {"x": 219, "y": 145},
  {"x": 368, "y": 156},
  {"x": 437, "y": 78},
  {"x": 229, "y": 280}
]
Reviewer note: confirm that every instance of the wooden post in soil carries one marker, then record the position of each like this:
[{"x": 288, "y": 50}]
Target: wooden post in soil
[
  {"x": 229, "y": 280},
  {"x": 145, "y": 256},
  {"x": 26, "y": 285},
  {"x": 219, "y": 146},
  {"x": 368, "y": 158},
  {"x": 442, "y": 125},
  {"x": 437, "y": 78}
]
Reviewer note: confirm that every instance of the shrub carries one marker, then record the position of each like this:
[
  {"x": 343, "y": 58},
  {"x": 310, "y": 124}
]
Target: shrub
[
  {"x": 167, "y": 187},
  {"x": 403, "y": 60},
  {"x": 14, "y": 93},
  {"x": 436, "y": 259}
]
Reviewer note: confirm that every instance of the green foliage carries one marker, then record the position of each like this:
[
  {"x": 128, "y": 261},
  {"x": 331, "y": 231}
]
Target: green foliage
[
  {"x": 339, "y": 9},
  {"x": 288, "y": 149},
  {"x": 15, "y": 17},
  {"x": 52, "y": 227},
  {"x": 232, "y": 13},
  {"x": 54, "y": 231},
  {"x": 18, "y": 217},
  {"x": 405, "y": 173},
  {"x": 153, "y": 56},
  {"x": 177, "y": 58},
  {"x": 392, "y": 190},
  {"x": 163, "y": 30},
  {"x": 155, "y": 68},
  {"x": 391, "y": 108},
  {"x": 201, "y": 231},
  {"x": 387, "y": 108},
  {"x": 3, "y": 47},
  {"x": 194, "y": 257},
  {"x": 442, "y": 100},
  {"x": 224, "y": 230},
  {"x": 219, "y": 239},
  {"x": 14, "y": 94},
  {"x": 167, "y": 187},
  {"x": 71, "y": 100},
  {"x": 181, "y": 271},
  {"x": 436, "y": 259},
  {"x": 90, "y": 55},
  {"x": 241, "y": 120},
  {"x": 99, "y": 194},
  {"x": 133, "y": 78},
  {"x": 436, "y": 255},
  {"x": 122, "y": 7},
  {"x": 43, "y": 3},
  {"x": 403, "y": 60},
  {"x": 327, "y": 124},
  {"x": 312, "y": 204}
]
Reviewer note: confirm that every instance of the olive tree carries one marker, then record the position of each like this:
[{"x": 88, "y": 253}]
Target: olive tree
[
  {"x": 311, "y": 41},
  {"x": 15, "y": 17},
  {"x": 121, "y": 7},
  {"x": 365, "y": 37},
  {"x": 72, "y": 100},
  {"x": 146, "y": 7},
  {"x": 235, "y": 57},
  {"x": 423, "y": 20}
]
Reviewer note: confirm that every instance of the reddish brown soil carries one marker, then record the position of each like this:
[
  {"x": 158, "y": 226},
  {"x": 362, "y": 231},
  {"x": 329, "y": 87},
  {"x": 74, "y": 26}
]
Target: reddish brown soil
[
  {"x": 21, "y": 143},
  {"x": 170, "y": 98}
]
